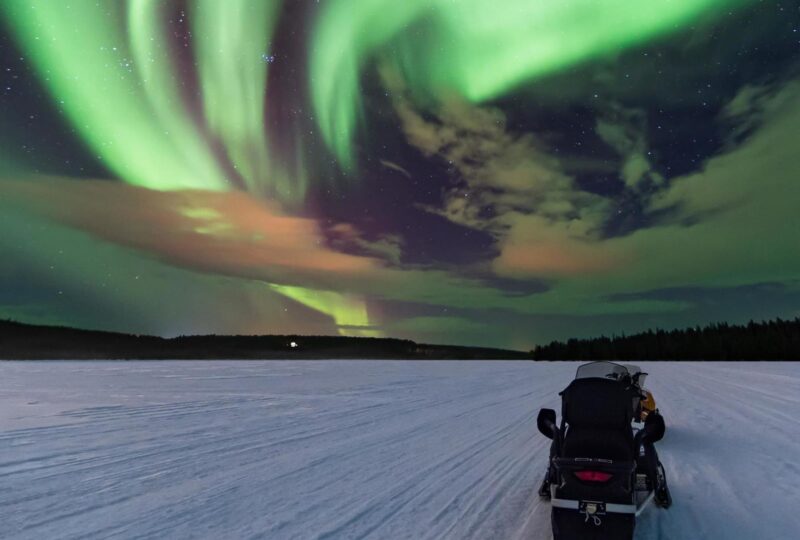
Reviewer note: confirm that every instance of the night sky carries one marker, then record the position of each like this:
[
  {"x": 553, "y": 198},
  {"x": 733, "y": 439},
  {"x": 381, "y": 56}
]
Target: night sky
[{"x": 498, "y": 173}]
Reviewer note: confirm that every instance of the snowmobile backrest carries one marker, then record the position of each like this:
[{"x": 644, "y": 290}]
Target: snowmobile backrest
[{"x": 597, "y": 403}]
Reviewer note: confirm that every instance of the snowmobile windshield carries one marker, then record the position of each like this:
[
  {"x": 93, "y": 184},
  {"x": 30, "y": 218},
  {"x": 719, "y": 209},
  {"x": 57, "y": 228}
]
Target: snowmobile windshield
[
  {"x": 601, "y": 370},
  {"x": 633, "y": 370}
]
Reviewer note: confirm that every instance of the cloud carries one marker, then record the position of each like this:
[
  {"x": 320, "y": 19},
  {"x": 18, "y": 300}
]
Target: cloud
[
  {"x": 759, "y": 171},
  {"x": 213, "y": 234},
  {"x": 537, "y": 247},
  {"x": 208, "y": 231},
  {"x": 347, "y": 237},
  {"x": 495, "y": 169},
  {"x": 509, "y": 185},
  {"x": 624, "y": 130},
  {"x": 395, "y": 167},
  {"x": 55, "y": 274},
  {"x": 734, "y": 223},
  {"x": 234, "y": 235}
]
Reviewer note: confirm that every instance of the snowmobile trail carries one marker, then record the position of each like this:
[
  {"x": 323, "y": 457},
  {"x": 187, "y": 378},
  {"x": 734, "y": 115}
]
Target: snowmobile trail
[
  {"x": 732, "y": 438},
  {"x": 384, "y": 450}
]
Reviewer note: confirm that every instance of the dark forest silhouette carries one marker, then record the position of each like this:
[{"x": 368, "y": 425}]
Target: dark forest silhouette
[
  {"x": 30, "y": 342},
  {"x": 772, "y": 340}
]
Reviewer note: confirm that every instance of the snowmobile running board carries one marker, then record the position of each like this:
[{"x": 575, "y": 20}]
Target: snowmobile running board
[{"x": 610, "y": 508}]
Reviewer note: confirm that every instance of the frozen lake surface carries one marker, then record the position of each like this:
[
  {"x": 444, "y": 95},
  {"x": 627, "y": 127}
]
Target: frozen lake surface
[{"x": 358, "y": 449}]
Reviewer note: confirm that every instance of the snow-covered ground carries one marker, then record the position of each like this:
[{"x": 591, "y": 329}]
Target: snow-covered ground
[{"x": 357, "y": 449}]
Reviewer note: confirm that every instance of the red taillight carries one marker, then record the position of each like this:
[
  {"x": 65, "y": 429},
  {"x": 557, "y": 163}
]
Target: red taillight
[{"x": 593, "y": 476}]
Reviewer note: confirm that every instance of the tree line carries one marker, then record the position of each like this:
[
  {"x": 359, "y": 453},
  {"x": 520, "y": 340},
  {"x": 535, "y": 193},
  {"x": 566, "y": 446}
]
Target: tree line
[
  {"x": 767, "y": 340},
  {"x": 19, "y": 341}
]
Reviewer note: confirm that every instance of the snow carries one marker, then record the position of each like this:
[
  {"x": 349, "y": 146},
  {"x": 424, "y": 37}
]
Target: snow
[{"x": 359, "y": 449}]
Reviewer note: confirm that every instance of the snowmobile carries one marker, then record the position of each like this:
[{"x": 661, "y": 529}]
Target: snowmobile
[{"x": 603, "y": 469}]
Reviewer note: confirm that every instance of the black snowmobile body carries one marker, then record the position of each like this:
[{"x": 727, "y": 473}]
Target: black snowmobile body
[{"x": 603, "y": 469}]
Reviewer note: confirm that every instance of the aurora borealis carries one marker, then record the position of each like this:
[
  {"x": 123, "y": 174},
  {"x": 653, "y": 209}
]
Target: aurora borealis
[{"x": 453, "y": 171}]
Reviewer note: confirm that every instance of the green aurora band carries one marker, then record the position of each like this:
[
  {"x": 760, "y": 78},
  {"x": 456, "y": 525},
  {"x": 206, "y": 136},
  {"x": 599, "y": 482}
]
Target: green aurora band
[
  {"x": 155, "y": 67},
  {"x": 476, "y": 49},
  {"x": 230, "y": 39},
  {"x": 137, "y": 129},
  {"x": 108, "y": 65},
  {"x": 348, "y": 312}
]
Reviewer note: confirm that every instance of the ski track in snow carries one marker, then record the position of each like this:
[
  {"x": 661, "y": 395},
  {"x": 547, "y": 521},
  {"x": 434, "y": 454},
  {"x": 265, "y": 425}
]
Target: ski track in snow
[{"x": 358, "y": 449}]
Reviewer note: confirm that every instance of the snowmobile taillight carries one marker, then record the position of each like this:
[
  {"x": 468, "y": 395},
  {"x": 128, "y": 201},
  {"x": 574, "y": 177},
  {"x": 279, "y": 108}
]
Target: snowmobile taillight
[{"x": 593, "y": 476}]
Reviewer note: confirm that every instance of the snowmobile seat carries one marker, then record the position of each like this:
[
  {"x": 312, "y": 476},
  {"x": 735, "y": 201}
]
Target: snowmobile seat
[{"x": 598, "y": 414}]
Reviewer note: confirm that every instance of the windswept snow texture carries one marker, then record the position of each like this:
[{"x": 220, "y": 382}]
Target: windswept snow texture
[{"x": 326, "y": 450}]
